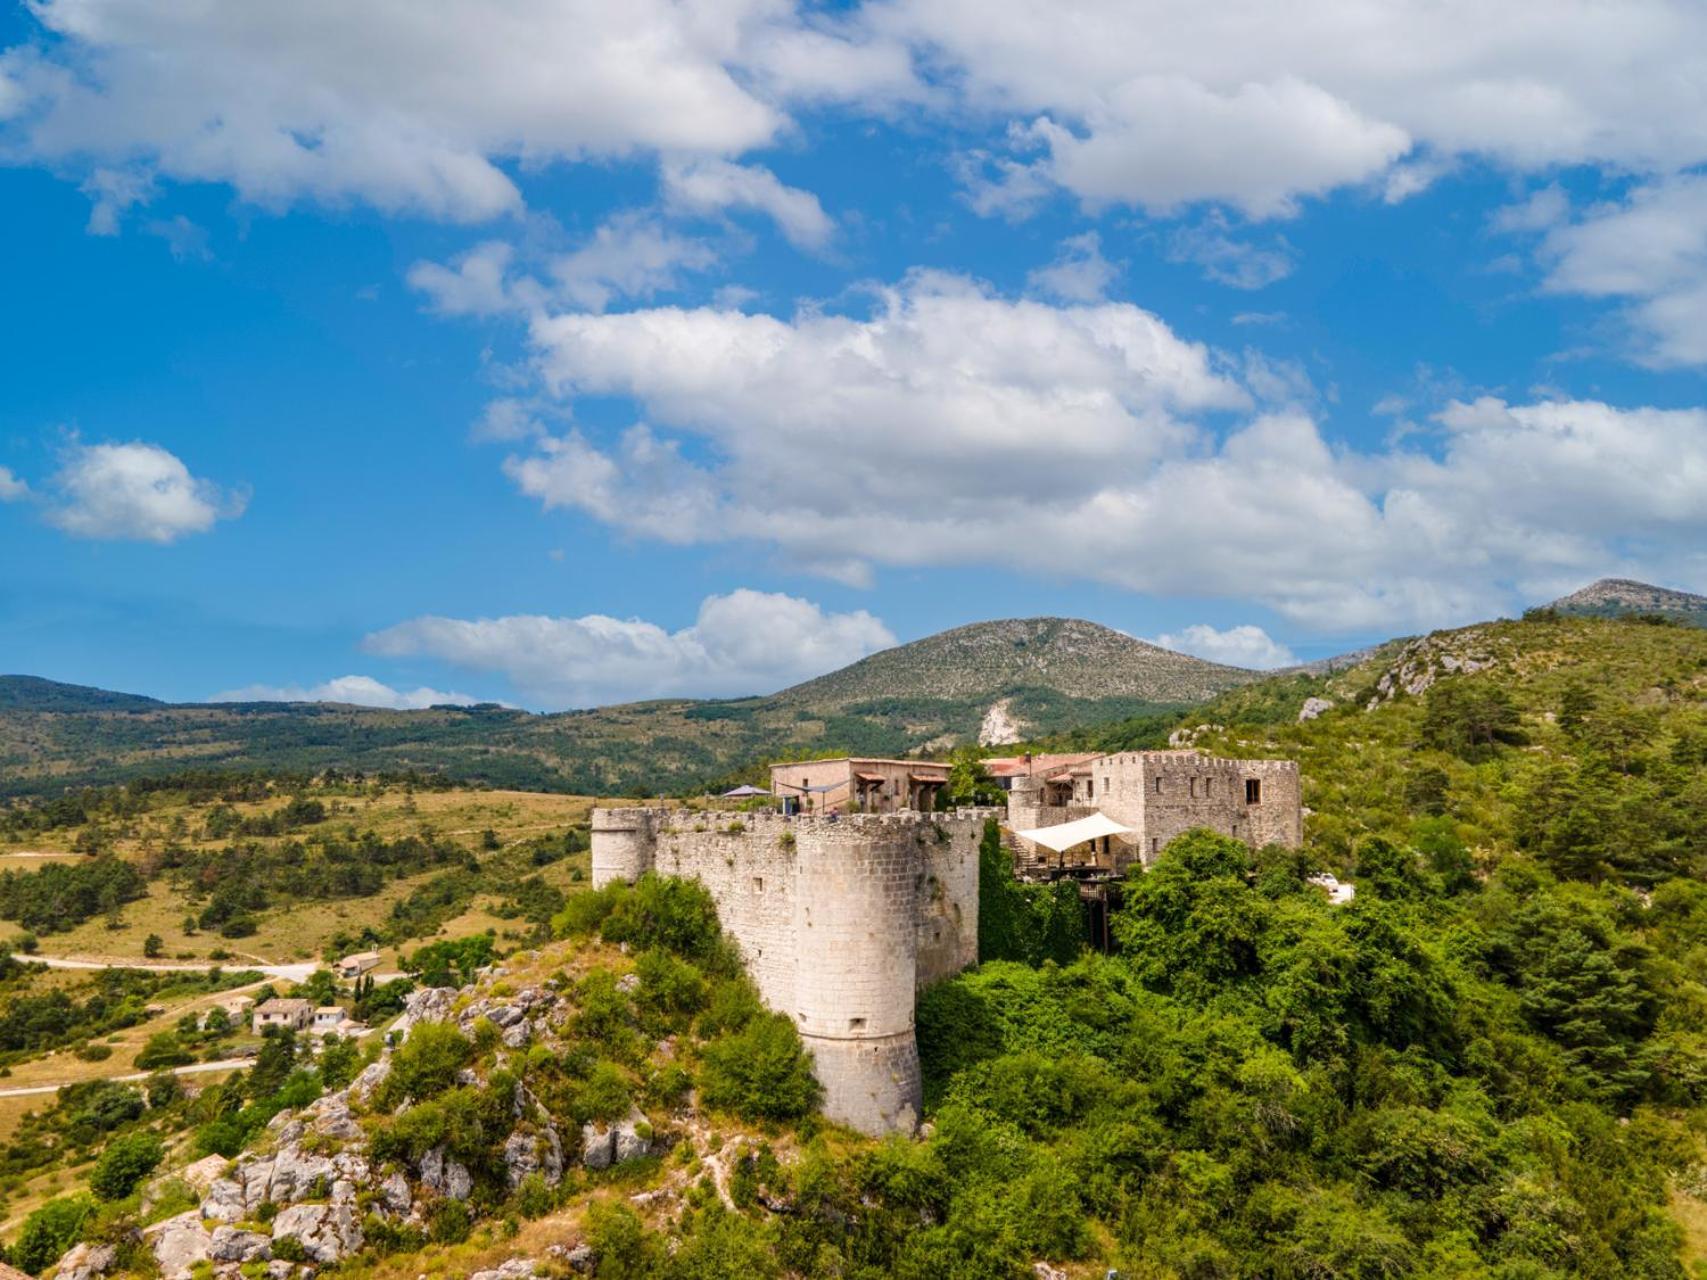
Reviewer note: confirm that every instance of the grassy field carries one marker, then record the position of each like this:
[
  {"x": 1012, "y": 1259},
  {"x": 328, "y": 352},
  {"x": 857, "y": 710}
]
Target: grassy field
[{"x": 298, "y": 931}]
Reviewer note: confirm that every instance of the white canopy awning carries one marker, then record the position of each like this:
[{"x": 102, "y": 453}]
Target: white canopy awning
[{"x": 1065, "y": 835}]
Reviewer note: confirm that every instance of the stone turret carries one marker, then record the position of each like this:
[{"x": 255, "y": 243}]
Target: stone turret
[{"x": 839, "y": 922}]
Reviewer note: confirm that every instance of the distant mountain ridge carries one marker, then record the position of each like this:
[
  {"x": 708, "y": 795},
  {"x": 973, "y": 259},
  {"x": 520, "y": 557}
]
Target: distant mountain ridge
[
  {"x": 1613, "y": 597},
  {"x": 1028, "y": 676}
]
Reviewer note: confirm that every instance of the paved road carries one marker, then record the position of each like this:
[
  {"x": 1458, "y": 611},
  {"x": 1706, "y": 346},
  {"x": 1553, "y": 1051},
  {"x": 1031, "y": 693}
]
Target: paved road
[
  {"x": 195, "y": 1068},
  {"x": 284, "y": 972}
]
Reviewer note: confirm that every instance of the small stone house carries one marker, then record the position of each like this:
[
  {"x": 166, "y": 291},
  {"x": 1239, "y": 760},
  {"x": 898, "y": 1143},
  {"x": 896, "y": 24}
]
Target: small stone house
[
  {"x": 291, "y": 1013},
  {"x": 353, "y": 966},
  {"x": 858, "y": 785},
  {"x": 328, "y": 1018}
]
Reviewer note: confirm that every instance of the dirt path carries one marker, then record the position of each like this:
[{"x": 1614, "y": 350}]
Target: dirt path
[
  {"x": 194, "y": 1068},
  {"x": 282, "y": 972}
]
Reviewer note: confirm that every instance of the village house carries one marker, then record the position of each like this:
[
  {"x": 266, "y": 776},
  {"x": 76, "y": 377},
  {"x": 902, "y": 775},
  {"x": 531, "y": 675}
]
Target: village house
[
  {"x": 858, "y": 785},
  {"x": 327, "y": 1019},
  {"x": 278, "y": 1012},
  {"x": 353, "y": 966}
]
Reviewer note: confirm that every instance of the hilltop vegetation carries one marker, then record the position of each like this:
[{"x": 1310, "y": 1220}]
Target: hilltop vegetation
[{"x": 1050, "y": 674}]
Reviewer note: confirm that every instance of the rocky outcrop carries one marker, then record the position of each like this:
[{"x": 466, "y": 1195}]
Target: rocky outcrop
[
  {"x": 178, "y": 1245},
  {"x": 603, "y": 1146},
  {"x": 1314, "y": 707},
  {"x": 514, "y": 1269},
  {"x": 230, "y": 1244},
  {"x": 87, "y": 1262},
  {"x": 445, "y": 1176},
  {"x": 1423, "y": 661},
  {"x": 326, "y": 1232}
]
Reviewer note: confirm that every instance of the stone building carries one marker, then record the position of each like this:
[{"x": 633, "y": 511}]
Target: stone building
[
  {"x": 859, "y": 785},
  {"x": 839, "y": 920},
  {"x": 1160, "y": 795},
  {"x": 292, "y": 1013}
]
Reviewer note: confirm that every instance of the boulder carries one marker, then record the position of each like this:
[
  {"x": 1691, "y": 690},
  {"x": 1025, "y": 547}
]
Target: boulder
[
  {"x": 178, "y": 1244},
  {"x": 201, "y": 1175},
  {"x": 87, "y": 1262},
  {"x": 602, "y": 1147},
  {"x": 598, "y": 1146},
  {"x": 373, "y": 1075},
  {"x": 225, "y": 1201},
  {"x": 331, "y": 1116},
  {"x": 232, "y": 1245},
  {"x": 1314, "y": 707},
  {"x": 326, "y": 1232},
  {"x": 529, "y": 1153},
  {"x": 297, "y": 1175},
  {"x": 447, "y": 1177},
  {"x": 395, "y": 1192}
]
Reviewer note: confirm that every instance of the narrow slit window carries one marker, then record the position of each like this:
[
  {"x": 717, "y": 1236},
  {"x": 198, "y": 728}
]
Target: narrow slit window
[{"x": 1253, "y": 790}]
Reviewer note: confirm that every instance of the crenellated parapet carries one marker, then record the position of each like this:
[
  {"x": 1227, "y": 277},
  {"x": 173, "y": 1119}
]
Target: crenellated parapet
[{"x": 838, "y": 920}]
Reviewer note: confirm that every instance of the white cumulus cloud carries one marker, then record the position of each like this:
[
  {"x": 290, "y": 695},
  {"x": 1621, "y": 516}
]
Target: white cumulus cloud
[
  {"x": 135, "y": 491},
  {"x": 1079, "y": 273},
  {"x": 1246, "y": 645},
  {"x": 1089, "y": 442},
  {"x": 360, "y": 691},
  {"x": 1258, "y": 105},
  {"x": 741, "y": 643},
  {"x": 12, "y": 487},
  {"x": 710, "y": 186}
]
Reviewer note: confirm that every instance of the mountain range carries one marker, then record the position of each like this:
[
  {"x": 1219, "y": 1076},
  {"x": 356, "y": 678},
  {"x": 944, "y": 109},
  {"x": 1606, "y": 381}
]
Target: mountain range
[
  {"x": 989, "y": 682},
  {"x": 995, "y": 681}
]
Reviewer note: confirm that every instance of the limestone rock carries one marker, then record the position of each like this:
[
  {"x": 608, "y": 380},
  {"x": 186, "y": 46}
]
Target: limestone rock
[
  {"x": 447, "y": 1177},
  {"x": 513, "y": 1269},
  {"x": 331, "y": 1116},
  {"x": 395, "y": 1192},
  {"x": 1314, "y": 707},
  {"x": 298, "y": 1175},
  {"x": 87, "y": 1262},
  {"x": 225, "y": 1201},
  {"x": 201, "y": 1175},
  {"x": 232, "y": 1245},
  {"x": 602, "y": 1147},
  {"x": 430, "y": 1004},
  {"x": 326, "y": 1232},
  {"x": 178, "y": 1243},
  {"x": 530, "y": 1153},
  {"x": 373, "y": 1075}
]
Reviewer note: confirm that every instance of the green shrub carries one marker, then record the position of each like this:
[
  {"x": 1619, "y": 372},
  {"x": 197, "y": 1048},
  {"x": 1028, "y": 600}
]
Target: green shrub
[
  {"x": 760, "y": 1072},
  {"x": 125, "y": 1163},
  {"x": 428, "y": 1061},
  {"x": 50, "y": 1231}
]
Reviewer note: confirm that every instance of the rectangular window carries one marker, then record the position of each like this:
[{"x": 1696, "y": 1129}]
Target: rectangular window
[
  {"x": 1253, "y": 790},
  {"x": 1158, "y": 785},
  {"x": 1090, "y": 788},
  {"x": 1154, "y": 842},
  {"x": 1105, "y": 786},
  {"x": 1192, "y": 787}
]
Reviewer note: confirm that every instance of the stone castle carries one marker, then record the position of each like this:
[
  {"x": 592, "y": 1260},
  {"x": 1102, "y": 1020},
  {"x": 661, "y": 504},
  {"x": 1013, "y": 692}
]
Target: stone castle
[
  {"x": 839, "y": 920},
  {"x": 842, "y": 918}
]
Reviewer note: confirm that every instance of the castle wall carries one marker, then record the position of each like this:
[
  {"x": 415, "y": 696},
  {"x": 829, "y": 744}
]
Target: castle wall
[{"x": 838, "y": 922}]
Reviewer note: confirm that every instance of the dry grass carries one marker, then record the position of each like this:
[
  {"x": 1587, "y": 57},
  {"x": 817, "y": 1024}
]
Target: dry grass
[{"x": 1691, "y": 1215}]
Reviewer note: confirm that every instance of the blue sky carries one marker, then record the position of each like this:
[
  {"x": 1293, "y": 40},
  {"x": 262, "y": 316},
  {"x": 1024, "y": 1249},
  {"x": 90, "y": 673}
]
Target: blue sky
[{"x": 622, "y": 351}]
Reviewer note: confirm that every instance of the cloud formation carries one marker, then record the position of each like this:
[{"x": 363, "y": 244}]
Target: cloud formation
[
  {"x": 410, "y": 108},
  {"x": 359, "y": 691},
  {"x": 137, "y": 492},
  {"x": 742, "y": 643},
  {"x": 434, "y": 109},
  {"x": 1240, "y": 646},
  {"x": 12, "y": 487},
  {"x": 1092, "y": 442},
  {"x": 1259, "y": 105}
]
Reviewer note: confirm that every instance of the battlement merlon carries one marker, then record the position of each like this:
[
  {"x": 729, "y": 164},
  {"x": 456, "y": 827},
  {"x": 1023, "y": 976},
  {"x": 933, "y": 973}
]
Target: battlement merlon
[{"x": 838, "y": 920}]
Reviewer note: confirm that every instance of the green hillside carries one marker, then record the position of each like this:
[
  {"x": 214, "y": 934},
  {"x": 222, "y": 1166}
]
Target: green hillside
[
  {"x": 1045, "y": 675},
  {"x": 1619, "y": 597}
]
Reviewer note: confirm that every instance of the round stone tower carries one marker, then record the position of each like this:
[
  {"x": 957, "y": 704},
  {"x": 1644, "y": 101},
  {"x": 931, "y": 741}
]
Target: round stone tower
[
  {"x": 623, "y": 844},
  {"x": 855, "y": 925}
]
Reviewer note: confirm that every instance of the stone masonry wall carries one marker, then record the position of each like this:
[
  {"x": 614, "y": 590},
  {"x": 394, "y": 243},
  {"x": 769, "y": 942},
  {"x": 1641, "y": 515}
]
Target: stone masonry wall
[
  {"x": 1163, "y": 794},
  {"x": 838, "y": 922}
]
